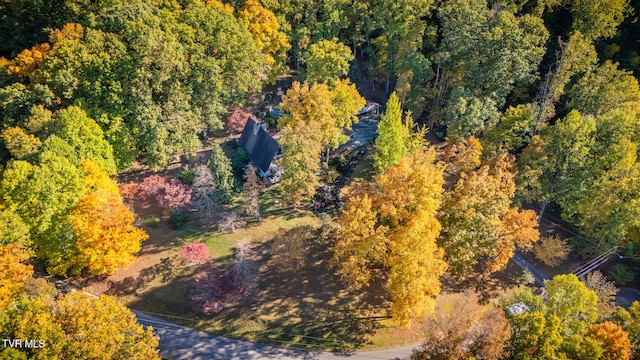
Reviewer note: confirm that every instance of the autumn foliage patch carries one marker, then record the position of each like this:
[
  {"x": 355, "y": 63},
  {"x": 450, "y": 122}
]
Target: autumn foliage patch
[
  {"x": 195, "y": 253},
  {"x": 170, "y": 194},
  {"x": 212, "y": 289},
  {"x": 237, "y": 120}
]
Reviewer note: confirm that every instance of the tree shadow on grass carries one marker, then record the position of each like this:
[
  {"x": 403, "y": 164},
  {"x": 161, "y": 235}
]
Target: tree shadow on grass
[
  {"x": 272, "y": 206},
  {"x": 165, "y": 271},
  {"x": 305, "y": 304},
  {"x": 171, "y": 298},
  {"x": 492, "y": 287},
  {"x": 305, "y": 307}
]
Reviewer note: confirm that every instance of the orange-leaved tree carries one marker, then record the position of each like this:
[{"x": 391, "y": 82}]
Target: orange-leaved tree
[
  {"x": 106, "y": 237},
  {"x": 13, "y": 271},
  {"x": 613, "y": 340},
  {"x": 519, "y": 229},
  {"x": 29, "y": 60}
]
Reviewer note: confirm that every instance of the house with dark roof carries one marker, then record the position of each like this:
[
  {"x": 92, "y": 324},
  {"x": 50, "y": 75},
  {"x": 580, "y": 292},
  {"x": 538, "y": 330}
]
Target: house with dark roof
[{"x": 262, "y": 149}]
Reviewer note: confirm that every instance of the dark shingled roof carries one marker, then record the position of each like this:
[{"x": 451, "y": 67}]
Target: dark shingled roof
[{"x": 259, "y": 145}]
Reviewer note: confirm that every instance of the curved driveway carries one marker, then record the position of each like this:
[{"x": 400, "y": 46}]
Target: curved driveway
[{"x": 179, "y": 342}]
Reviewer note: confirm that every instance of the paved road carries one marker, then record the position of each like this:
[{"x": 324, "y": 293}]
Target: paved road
[
  {"x": 626, "y": 296},
  {"x": 537, "y": 273},
  {"x": 179, "y": 342}
]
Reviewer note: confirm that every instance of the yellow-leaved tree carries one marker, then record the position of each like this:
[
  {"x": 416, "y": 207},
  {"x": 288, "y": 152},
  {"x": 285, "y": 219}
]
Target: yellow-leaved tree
[
  {"x": 265, "y": 31},
  {"x": 106, "y": 237},
  {"x": 316, "y": 118},
  {"x": 361, "y": 243},
  {"x": 219, "y": 4},
  {"x": 393, "y": 225},
  {"x": 309, "y": 114},
  {"x": 75, "y": 326},
  {"x": 102, "y": 326},
  {"x": 20, "y": 143},
  {"x": 464, "y": 157},
  {"x": 478, "y": 220}
]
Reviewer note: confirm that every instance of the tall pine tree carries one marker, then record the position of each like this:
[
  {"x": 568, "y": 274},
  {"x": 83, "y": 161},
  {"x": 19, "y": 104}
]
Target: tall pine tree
[{"x": 390, "y": 145}]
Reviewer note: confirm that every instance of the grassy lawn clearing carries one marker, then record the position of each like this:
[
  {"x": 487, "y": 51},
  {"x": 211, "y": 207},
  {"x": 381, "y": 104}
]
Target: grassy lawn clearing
[
  {"x": 303, "y": 305},
  {"x": 297, "y": 300}
]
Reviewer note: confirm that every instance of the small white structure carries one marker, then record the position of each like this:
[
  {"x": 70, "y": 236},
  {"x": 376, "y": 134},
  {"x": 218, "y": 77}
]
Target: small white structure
[
  {"x": 518, "y": 308},
  {"x": 371, "y": 109}
]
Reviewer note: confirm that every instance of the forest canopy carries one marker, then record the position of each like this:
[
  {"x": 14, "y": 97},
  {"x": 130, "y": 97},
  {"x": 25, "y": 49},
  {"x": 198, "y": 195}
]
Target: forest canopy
[{"x": 537, "y": 98}]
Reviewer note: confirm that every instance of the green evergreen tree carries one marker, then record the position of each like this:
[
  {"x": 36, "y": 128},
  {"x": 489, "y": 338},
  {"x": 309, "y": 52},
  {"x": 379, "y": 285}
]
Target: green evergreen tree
[
  {"x": 222, "y": 172},
  {"x": 390, "y": 144}
]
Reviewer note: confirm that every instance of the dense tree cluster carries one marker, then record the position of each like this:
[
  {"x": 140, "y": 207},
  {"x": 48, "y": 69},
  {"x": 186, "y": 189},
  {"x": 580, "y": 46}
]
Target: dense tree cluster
[
  {"x": 554, "y": 124},
  {"x": 103, "y": 84},
  {"x": 72, "y": 325},
  {"x": 392, "y": 225},
  {"x": 509, "y": 73},
  {"x": 152, "y": 74},
  {"x": 565, "y": 325},
  {"x": 537, "y": 100},
  {"x": 62, "y": 209}
]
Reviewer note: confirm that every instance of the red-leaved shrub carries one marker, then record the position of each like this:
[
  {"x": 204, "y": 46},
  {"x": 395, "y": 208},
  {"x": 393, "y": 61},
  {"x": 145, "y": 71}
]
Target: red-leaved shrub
[
  {"x": 195, "y": 253},
  {"x": 170, "y": 194},
  {"x": 176, "y": 196},
  {"x": 211, "y": 290},
  {"x": 151, "y": 186}
]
